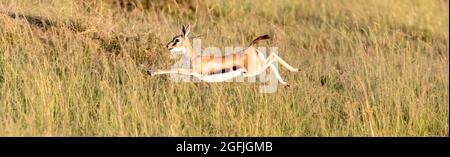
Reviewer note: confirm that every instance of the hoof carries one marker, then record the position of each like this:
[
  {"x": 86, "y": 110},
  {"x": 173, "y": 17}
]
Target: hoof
[
  {"x": 296, "y": 70},
  {"x": 287, "y": 86},
  {"x": 151, "y": 72}
]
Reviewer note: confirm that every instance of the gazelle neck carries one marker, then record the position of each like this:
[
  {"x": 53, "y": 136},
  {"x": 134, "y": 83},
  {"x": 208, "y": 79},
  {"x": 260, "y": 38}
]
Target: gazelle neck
[{"x": 190, "y": 51}]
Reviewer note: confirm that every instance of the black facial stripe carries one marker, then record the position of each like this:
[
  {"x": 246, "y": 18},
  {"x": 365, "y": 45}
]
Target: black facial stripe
[
  {"x": 179, "y": 36},
  {"x": 175, "y": 40}
]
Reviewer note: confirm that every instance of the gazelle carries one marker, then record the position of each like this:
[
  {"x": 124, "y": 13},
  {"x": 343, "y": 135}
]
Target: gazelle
[{"x": 249, "y": 62}]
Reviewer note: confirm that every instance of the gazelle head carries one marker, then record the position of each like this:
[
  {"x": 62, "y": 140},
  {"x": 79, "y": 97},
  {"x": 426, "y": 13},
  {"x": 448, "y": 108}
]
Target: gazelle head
[{"x": 180, "y": 42}]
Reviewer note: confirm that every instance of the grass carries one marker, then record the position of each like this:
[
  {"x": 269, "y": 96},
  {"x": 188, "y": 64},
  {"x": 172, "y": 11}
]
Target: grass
[{"x": 77, "y": 68}]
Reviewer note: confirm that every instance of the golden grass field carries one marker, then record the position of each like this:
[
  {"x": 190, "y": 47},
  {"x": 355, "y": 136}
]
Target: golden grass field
[{"x": 369, "y": 68}]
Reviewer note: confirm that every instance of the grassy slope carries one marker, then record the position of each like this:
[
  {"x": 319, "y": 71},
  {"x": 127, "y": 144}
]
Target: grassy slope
[{"x": 372, "y": 68}]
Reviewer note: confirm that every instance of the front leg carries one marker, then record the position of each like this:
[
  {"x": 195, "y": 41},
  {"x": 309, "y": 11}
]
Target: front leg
[
  {"x": 174, "y": 71},
  {"x": 153, "y": 72},
  {"x": 207, "y": 78}
]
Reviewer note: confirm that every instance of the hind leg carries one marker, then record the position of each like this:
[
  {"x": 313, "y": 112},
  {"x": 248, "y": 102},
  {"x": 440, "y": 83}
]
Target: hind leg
[
  {"x": 266, "y": 63},
  {"x": 282, "y": 62},
  {"x": 277, "y": 75}
]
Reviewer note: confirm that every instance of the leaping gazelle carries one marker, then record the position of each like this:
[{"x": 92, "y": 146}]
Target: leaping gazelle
[{"x": 249, "y": 62}]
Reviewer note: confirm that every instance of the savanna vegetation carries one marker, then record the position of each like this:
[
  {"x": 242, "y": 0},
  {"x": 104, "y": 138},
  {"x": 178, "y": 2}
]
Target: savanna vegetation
[{"x": 369, "y": 68}]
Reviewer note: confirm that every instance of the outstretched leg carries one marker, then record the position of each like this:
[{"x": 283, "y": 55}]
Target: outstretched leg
[
  {"x": 207, "y": 78},
  {"x": 277, "y": 75},
  {"x": 282, "y": 62},
  {"x": 274, "y": 69},
  {"x": 175, "y": 71},
  {"x": 267, "y": 62}
]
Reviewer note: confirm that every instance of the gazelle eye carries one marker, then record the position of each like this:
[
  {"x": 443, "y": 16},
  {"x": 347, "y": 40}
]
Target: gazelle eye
[{"x": 177, "y": 40}]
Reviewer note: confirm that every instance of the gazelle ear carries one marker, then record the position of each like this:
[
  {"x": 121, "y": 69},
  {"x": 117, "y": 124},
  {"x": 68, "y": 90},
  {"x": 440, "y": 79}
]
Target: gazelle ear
[
  {"x": 182, "y": 29},
  {"x": 185, "y": 29}
]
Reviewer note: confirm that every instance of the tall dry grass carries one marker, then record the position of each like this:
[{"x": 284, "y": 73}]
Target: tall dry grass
[{"x": 370, "y": 68}]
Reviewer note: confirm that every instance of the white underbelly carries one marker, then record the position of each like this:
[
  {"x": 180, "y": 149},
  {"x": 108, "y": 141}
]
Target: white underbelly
[{"x": 221, "y": 76}]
